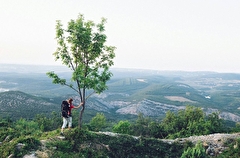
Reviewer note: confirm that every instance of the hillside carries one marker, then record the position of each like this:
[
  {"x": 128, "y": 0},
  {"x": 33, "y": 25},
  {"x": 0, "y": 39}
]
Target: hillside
[
  {"x": 16, "y": 104},
  {"x": 130, "y": 92},
  {"x": 83, "y": 143}
]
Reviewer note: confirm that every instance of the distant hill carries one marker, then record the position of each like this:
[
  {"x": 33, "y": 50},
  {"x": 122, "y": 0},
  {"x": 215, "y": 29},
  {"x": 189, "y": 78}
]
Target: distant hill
[
  {"x": 16, "y": 104},
  {"x": 130, "y": 92}
]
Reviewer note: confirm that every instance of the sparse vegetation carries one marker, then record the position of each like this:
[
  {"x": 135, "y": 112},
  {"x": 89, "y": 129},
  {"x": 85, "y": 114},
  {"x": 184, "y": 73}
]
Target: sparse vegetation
[{"x": 138, "y": 138}]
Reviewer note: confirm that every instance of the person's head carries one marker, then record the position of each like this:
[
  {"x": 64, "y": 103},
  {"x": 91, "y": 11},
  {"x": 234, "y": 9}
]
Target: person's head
[{"x": 70, "y": 100}]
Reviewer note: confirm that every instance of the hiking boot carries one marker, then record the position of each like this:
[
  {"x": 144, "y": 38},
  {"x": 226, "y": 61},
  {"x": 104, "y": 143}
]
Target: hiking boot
[{"x": 61, "y": 134}]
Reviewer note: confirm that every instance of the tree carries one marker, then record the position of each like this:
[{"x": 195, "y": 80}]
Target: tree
[
  {"x": 215, "y": 123},
  {"x": 122, "y": 127},
  {"x": 142, "y": 126},
  {"x": 82, "y": 48},
  {"x": 98, "y": 122},
  {"x": 184, "y": 123}
]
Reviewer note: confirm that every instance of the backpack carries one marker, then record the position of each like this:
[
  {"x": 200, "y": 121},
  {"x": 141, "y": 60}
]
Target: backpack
[{"x": 65, "y": 108}]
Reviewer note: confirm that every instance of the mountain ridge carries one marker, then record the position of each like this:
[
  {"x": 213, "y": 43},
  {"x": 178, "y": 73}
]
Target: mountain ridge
[
  {"x": 134, "y": 91},
  {"x": 16, "y": 104}
]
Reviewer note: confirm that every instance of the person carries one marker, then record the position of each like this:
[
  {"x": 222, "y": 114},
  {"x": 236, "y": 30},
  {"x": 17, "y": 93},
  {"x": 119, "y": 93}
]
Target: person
[{"x": 68, "y": 120}]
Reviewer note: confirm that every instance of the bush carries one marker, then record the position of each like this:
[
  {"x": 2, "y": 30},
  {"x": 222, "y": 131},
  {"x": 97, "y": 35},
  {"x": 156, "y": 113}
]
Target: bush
[
  {"x": 191, "y": 121},
  {"x": 122, "y": 127},
  {"x": 25, "y": 127},
  {"x": 196, "y": 152},
  {"x": 98, "y": 122},
  {"x": 28, "y": 144},
  {"x": 233, "y": 150}
]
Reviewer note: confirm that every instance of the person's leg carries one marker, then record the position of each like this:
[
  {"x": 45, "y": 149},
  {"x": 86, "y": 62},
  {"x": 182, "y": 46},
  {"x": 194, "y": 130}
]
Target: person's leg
[
  {"x": 70, "y": 122},
  {"x": 64, "y": 124}
]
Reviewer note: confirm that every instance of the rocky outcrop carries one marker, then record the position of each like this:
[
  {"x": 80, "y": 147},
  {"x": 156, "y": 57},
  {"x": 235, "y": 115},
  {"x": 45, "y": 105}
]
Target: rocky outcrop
[
  {"x": 148, "y": 108},
  {"x": 214, "y": 144}
]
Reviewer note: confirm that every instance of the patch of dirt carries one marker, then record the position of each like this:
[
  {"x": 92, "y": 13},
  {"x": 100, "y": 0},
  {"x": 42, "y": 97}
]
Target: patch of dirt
[{"x": 179, "y": 98}]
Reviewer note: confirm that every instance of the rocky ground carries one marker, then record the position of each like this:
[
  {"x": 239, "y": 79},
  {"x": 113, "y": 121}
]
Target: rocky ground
[{"x": 215, "y": 144}]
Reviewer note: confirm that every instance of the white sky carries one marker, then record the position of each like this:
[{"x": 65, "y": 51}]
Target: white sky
[{"x": 191, "y": 35}]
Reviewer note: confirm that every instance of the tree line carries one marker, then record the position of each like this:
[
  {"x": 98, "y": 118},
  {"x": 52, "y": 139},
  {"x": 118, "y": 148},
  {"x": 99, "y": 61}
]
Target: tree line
[{"x": 188, "y": 122}]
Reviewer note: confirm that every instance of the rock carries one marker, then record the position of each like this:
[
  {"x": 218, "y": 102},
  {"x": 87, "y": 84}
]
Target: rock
[
  {"x": 213, "y": 143},
  {"x": 210, "y": 150},
  {"x": 42, "y": 154},
  {"x": 30, "y": 156},
  {"x": 19, "y": 146}
]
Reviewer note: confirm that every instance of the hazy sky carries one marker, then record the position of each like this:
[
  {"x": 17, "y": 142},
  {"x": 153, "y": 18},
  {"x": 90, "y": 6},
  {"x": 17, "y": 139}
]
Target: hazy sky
[{"x": 192, "y": 35}]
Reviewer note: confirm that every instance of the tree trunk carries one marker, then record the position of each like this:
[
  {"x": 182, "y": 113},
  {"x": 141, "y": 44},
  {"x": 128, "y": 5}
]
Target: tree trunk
[{"x": 80, "y": 116}]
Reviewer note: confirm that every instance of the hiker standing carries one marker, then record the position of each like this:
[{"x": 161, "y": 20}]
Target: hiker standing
[
  {"x": 67, "y": 107},
  {"x": 70, "y": 111}
]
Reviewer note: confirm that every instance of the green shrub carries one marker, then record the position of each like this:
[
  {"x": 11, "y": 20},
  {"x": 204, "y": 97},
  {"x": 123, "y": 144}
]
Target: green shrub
[
  {"x": 233, "y": 150},
  {"x": 61, "y": 145},
  {"x": 195, "y": 152},
  {"x": 8, "y": 148},
  {"x": 98, "y": 122},
  {"x": 25, "y": 127},
  {"x": 191, "y": 121},
  {"x": 122, "y": 127}
]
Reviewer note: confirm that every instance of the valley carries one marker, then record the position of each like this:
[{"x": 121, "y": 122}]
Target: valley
[{"x": 130, "y": 92}]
